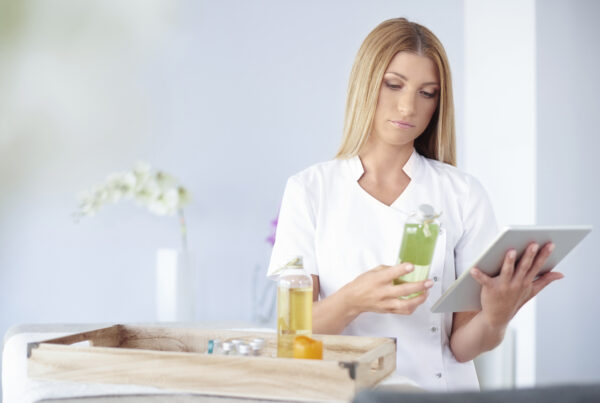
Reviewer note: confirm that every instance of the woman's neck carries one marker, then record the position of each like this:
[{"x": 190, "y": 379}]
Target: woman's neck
[{"x": 385, "y": 163}]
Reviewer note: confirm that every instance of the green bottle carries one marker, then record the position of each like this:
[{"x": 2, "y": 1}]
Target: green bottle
[{"x": 418, "y": 243}]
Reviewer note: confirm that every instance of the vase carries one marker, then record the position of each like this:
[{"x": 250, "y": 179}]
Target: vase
[{"x": 175, "y": 286}]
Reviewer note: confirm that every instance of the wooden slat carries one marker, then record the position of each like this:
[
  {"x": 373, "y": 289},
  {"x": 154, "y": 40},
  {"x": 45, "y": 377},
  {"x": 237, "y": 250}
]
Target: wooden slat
[
  {"x": 109, "y": 337},
  {"x": 106, "y": 337},
  {"x": 184, "y": 339}
]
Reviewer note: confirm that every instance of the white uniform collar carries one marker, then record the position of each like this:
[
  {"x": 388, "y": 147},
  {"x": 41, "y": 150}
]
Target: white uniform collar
[{"x": 411, "y": 168}]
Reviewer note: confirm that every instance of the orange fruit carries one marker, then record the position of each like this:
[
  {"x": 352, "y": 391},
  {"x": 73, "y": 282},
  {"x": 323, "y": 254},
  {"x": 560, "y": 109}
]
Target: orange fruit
[{"x": 305, "y": 347}]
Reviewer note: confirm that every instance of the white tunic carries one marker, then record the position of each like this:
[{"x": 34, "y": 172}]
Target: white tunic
[{"x": 342, "y": 231}]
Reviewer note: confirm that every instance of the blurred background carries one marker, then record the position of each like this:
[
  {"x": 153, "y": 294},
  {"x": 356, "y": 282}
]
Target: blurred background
[{"x": 231, "y": 98}]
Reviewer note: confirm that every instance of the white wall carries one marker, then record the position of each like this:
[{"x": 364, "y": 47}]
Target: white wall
[
  {"x": 531, "y": 98},
  {"x": 500, "y": 133},
  {"x": 568, "y": 188},
  {"x": 231, "y": 97}
]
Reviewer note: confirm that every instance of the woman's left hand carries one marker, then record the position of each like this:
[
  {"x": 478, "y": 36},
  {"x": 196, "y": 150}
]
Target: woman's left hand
[{"x": 503, "y": 295}]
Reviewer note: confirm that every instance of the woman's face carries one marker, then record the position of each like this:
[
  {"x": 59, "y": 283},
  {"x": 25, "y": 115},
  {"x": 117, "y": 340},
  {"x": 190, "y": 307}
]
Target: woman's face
[{"x": 408, "y": 98}]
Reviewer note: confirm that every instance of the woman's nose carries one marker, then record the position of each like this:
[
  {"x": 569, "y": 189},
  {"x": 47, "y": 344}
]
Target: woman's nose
[{"x": 406, "y": 103}]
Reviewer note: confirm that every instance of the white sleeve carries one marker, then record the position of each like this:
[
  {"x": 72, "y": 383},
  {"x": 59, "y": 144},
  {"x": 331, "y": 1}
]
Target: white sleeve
[
  {"x": 479, "y": 227},
  {"x": 295, "y": 233}
]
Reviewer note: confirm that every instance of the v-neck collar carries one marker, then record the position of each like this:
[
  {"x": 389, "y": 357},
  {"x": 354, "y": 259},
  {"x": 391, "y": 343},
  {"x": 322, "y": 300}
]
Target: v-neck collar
[{"x": 411, "y": 168}]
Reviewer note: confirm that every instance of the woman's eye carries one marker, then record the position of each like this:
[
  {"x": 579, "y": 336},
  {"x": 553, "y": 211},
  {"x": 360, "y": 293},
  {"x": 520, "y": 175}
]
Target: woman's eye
[
  {"x": 392, "y": 86},
  {"x": 428, "y": 94}
]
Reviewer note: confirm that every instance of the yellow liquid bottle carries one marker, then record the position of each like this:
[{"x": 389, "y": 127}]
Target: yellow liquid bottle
[{"x": 294, "y": 307}]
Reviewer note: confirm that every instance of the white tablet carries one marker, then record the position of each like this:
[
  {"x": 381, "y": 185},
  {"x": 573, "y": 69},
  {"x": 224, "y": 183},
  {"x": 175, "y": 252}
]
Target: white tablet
[{"x": 465, "y": 293}]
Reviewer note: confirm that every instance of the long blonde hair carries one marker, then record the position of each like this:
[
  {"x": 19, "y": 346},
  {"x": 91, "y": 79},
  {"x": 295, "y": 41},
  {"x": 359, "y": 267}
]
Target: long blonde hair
[{"x": 374, "y": 56}]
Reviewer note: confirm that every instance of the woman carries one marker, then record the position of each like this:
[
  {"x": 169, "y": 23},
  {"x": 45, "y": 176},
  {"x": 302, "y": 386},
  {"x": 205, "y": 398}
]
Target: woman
[{"x": 346, "y": 216}]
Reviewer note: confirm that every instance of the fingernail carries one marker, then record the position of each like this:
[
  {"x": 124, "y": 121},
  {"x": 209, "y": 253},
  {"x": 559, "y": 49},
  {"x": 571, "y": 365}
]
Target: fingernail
[
  {"x": 428, "y": 283},
  {"x": 535, "y": 248},
  {"x": 410, "y": 267},
  {"x": 551, "y": 247},
  {"x": 474, "y": 271},
  {"x": 512, "y": 254}
]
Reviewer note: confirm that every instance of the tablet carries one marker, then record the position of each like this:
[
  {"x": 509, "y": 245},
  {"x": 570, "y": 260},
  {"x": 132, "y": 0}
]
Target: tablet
[{"x": 464, "y": 294}]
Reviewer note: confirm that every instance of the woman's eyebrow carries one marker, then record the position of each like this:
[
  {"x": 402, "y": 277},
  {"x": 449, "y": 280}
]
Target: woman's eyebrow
[{"x": 406, "y": 79}]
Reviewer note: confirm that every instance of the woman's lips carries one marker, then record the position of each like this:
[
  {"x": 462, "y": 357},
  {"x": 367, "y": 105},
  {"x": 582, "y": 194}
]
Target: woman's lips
[{"x": 401, "y": 124}]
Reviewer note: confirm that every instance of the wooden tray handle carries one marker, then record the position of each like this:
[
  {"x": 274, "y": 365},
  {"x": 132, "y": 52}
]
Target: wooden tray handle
[
  {"x": 376, "y": 364},
  {"x": 105, "y": 337}
]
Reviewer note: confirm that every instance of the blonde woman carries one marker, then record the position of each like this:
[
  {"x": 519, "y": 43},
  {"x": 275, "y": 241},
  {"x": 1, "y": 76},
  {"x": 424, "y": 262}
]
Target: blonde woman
[{"x": 345, "y": 217}]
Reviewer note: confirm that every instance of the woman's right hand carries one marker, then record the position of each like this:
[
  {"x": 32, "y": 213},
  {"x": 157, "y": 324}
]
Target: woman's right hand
[{"x": 374, "y": 291}]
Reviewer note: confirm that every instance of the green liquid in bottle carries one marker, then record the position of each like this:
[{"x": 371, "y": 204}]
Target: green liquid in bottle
[{"x": 418, "y": 244}]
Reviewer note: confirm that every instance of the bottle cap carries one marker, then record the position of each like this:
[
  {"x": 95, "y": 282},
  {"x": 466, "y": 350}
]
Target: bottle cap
[
  {"x": 295, "y": 263},
  {"x": 427, "y": 213},
  {"x": 259, "y": 341}
]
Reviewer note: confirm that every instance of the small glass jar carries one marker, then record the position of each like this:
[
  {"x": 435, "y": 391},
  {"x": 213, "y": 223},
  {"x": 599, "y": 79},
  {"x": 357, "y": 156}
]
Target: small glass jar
[
  {"x": 257, "y": 346},
  {"x": 243, "y": 349},
  {"x": 228, "y": 348},
  {"x": 214, "y": 346}
]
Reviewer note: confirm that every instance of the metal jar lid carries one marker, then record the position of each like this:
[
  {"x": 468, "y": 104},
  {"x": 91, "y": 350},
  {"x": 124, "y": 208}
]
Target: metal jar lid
[
  {"x": 227, "y": 347},
  {"x": 243, "y": 349}
]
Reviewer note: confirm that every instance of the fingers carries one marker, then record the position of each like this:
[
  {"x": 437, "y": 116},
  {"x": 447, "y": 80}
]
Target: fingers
[
  {"x": 526, "y": 261},
  {"x": 389, "y": 273},
  {"x": 402, "y": 269},
  {"x": 388, "y": 300},
  {"x": 506, "y": 271},
  {"x": 541, "y": 283},
  {"x": 481, "y": 277},
  {"x": 405, "y": 289},
  {"x": 528, "y": 267},
  {"x": 539, "y": 261},
  {"x": 406, "y": 306},
  {"x": 508, "y": 266},
  {"x": 381, "y": 267}
]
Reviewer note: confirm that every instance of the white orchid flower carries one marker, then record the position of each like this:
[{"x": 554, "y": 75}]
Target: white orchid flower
[{"x": 158, "y": 192}]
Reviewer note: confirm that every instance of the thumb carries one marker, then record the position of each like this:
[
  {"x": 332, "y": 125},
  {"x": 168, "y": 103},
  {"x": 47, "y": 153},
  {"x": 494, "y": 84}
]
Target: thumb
[
  {"x": 544, "y": 280},
  {"x": 480, "y": 276}
]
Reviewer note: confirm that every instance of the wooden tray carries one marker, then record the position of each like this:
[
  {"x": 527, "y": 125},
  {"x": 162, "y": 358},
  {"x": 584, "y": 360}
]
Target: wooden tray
[{"x": 175, "y": 359}]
